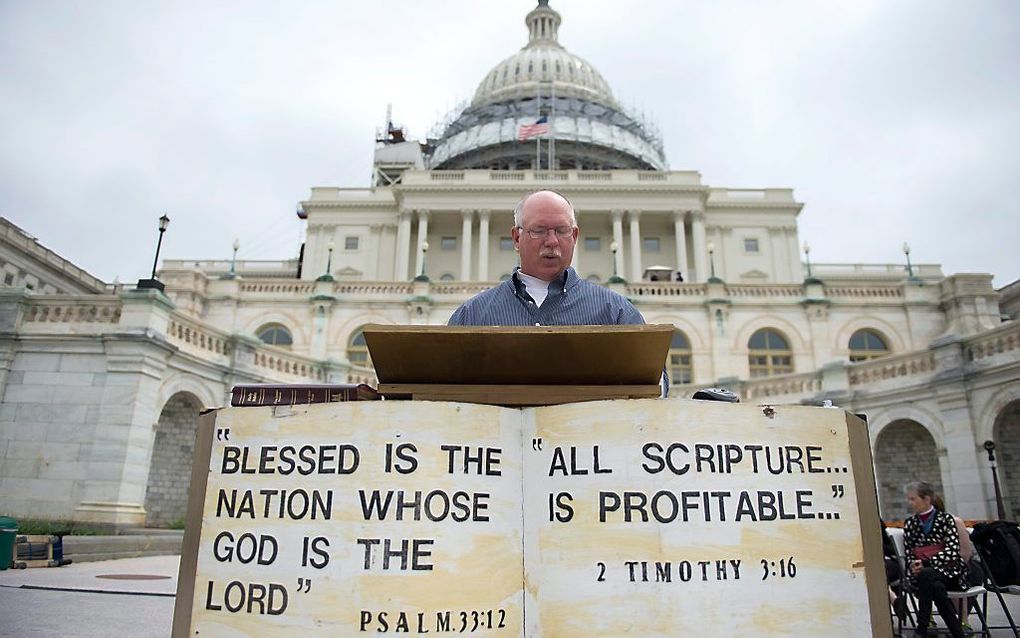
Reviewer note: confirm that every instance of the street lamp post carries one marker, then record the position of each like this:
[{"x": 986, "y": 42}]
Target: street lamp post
[
  {"x": 910, "y": 268},
  {"x": 152, "y": 282},
  {"x": 233, "y": 260},
  {"x": 424, "y": 253},
  {"x": 328, "y": 275},
  {"x": 999, "y": 505},
  {"x": 711, "y": 264},
  {"x": 616, "y": 278}
]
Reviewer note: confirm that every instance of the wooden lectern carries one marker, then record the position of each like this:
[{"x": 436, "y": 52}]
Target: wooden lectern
[{"x": 519, "y": 366}]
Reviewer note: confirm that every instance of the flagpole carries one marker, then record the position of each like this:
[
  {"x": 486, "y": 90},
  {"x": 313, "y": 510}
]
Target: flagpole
[
  {"x": 552, "y": 126},
  {"x": 538, "y": 138}
]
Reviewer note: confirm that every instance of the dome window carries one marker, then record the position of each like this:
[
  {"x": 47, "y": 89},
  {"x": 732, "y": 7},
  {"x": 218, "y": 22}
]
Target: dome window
[{"x": 531, "y": 68}]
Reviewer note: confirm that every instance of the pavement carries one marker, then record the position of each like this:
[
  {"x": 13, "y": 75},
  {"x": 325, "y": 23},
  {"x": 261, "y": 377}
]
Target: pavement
[
  {"x": 134, "y": 597},
  {"x": 130, "y": 597}
]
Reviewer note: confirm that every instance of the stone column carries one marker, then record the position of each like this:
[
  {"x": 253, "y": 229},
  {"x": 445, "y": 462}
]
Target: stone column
[
  {"x": 681, "y": 243},
  {"x": 467, "y": 218},
  {"x": 700, "y": 250},
  {"x": 617, "y": 216},
  {"x": 403, "y": 245},
  {"x": 483, "y": 244},
  {"x": 635, "y": 245},
  {"x": 423, "y": 234}
]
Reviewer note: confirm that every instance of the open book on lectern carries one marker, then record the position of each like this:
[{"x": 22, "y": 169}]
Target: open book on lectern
[{"x": 641, "y": 517}]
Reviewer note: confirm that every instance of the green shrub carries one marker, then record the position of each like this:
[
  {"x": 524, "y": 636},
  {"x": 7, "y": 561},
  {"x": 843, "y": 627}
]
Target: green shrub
[{"x": 71, "y": 528}]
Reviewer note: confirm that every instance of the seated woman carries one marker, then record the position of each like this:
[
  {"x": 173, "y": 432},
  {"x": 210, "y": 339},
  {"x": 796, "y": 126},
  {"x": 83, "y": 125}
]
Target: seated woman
[{"x": 933, "y": 557}]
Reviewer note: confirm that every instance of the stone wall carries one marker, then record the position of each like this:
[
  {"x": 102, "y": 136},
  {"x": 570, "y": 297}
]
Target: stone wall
[
  {"x": 166, "y": 497},
  {"x": 904, "y": 452},
  {"x": 51, "y": 405}
]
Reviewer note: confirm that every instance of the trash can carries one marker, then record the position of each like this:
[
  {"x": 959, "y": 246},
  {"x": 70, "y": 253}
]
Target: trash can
[{"x": 8, "y": 532}]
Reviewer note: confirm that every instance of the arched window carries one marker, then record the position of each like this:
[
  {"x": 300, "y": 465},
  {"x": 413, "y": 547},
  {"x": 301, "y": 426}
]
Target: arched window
[
  {"x": 446, "y": 277},
  {"x": 867, "y": 344},
  {"x": 275, "y": 335},
  {"x": 679, "y": 363},
  {"x": 357, "y": 351},
  {"x": 769, "y": 354}
]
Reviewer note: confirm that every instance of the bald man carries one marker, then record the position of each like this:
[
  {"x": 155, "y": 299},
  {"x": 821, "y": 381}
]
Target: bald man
[{"x": 544, "y": 290}]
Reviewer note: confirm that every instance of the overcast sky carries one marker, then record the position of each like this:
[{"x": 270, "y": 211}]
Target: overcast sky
[{"x": 892, "y": 120}]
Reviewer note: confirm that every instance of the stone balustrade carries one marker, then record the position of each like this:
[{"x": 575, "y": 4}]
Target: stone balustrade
[
  {"x": 665, "y": 289},
  {"x": 799, "y": 385},
  {"x": 276, "y": 362},
  {"x": 891, "y": 367},
  {"x": 192, "y": 336},
  {"x": 1001, "y": 340},
  {"x": 59, "y": 309}
]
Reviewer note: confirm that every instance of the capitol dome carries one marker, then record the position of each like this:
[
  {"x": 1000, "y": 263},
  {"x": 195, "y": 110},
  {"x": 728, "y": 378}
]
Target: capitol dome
[{"x": 591, "y": 130}]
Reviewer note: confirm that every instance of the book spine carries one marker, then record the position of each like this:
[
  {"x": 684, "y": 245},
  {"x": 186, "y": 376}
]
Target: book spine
[{"x": 253, "y": 396}]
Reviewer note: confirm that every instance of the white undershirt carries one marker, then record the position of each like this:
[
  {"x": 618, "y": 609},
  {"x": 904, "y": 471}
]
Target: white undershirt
[{"x": 537, "y": 288}]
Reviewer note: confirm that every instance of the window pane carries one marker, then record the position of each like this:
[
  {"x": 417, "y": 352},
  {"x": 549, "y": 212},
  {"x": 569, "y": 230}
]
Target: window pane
[
  {"x": 593, "y": 244},
  {"x": 751, "y": 244},
  {"x": 506, "y": 243},
  {"x": 866, "y": 343},
  {"x": 858, "y": 341},
  {"x": 651, "y": 244},
  {"x": 875, "y": 342},
  {"x": 449, "y": 243},
  {"x": 775, "y": 341},
  {"x": 680, "y": 341},
  {"x": 350, "y": 243},
  {"x": 274, "y": 335},
  {"x": 757, "y": 341}
]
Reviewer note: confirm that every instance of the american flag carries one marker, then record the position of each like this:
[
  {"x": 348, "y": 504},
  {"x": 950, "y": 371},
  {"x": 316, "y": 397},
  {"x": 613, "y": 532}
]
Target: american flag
[{"x": 540, "y": 127}]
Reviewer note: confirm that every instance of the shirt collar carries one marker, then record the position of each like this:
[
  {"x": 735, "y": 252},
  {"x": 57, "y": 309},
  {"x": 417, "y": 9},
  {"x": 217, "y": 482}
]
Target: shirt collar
[{"x": 566, "y": 281}]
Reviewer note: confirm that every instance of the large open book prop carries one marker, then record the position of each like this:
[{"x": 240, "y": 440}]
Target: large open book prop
[
  {"x": 534, "y": 365},
  {"x": 638, "y": 518}
]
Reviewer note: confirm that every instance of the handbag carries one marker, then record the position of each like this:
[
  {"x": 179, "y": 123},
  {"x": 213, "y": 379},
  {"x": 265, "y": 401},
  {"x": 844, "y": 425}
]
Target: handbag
[{"x": 925, "y": 552}]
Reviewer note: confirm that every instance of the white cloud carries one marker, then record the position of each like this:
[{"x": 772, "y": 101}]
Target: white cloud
[{"x": 891, "y": 121}]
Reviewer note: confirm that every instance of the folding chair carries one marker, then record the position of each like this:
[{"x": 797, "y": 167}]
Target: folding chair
[{"x": 998, "y": 590}]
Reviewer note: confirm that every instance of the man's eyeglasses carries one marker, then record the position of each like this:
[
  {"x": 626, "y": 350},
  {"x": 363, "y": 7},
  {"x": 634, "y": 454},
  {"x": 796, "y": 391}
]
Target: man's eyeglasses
[{"x": 562, "y": 232}]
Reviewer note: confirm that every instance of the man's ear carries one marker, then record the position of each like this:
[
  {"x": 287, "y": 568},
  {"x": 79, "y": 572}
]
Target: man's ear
[{"x": 515, "y": 234}]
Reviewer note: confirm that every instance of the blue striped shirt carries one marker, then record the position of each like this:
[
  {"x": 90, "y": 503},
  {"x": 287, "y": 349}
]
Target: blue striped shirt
[{"x": 572, "y": 301}]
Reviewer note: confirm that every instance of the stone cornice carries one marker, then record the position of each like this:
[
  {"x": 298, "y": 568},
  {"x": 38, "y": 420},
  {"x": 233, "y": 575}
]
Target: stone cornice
[{"x": 755, "y": 204}]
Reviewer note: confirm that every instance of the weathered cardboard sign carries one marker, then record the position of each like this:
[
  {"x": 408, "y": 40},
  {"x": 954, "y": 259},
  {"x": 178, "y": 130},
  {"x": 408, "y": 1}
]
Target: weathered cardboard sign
[{"x": 649, "y": 518}]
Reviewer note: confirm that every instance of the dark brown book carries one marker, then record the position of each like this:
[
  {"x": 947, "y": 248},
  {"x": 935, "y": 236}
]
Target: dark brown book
[{"x": 270, "y": 394}]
